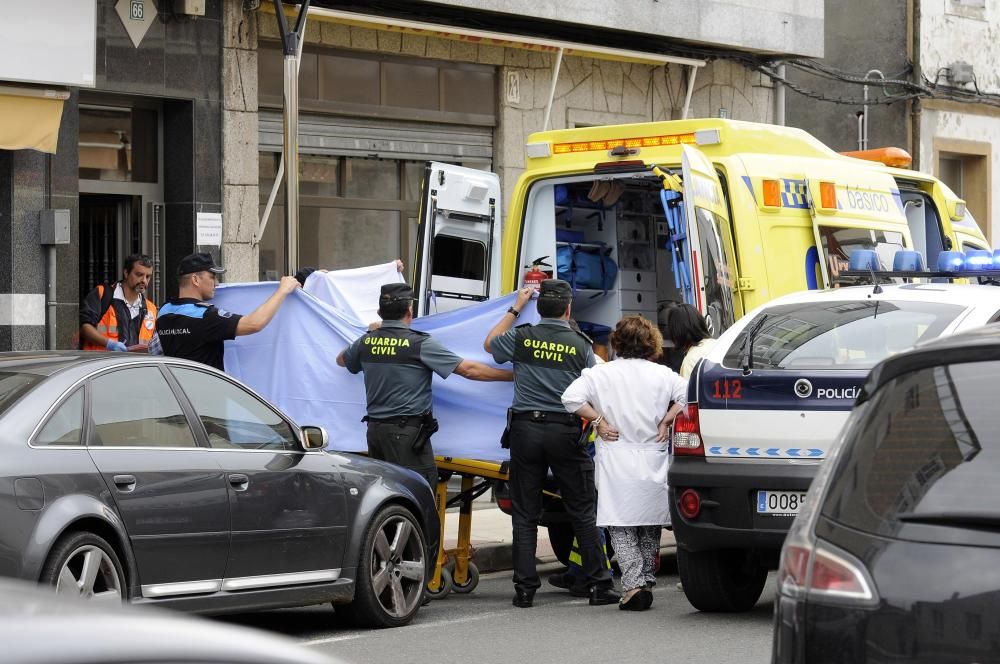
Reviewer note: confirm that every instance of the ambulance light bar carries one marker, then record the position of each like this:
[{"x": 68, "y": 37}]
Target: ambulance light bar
[
  {"x": 630, "y": 143},
  {"x": 910, "y": 264}
]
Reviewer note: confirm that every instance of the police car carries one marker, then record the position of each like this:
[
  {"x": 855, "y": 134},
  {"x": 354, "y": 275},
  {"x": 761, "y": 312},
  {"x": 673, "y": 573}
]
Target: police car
[{"x": 765, "y": 405}]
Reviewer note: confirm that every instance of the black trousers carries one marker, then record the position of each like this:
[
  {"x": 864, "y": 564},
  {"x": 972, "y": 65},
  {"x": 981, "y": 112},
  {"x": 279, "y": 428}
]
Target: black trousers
[
  {"x": 534, "y": 448},
  {"x": 387, "y": 441}
]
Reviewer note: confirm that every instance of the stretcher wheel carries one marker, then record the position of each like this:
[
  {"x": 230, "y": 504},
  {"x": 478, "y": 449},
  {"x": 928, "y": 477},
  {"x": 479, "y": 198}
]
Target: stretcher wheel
[
  {"x": 446, "y": 585},
  {"x": 470, "y": 583}
]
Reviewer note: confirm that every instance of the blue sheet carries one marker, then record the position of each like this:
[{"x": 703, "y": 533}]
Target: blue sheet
[{"x": 292, "y": 363}]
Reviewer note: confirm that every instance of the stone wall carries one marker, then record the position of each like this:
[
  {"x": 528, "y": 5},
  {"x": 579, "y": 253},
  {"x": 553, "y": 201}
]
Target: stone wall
[
  {"x": 588, "y": 92},
  {"x": 240, "y": 196}
]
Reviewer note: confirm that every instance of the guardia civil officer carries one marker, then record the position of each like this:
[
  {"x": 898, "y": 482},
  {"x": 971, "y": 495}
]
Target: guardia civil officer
[
  {"x": 190, "y": 328},
  {"x": 398, "y": 364},
  {"x": 548, "y": 357}
]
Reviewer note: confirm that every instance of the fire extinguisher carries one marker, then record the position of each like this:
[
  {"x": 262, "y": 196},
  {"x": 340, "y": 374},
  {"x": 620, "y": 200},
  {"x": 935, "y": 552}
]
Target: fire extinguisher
[{"x": 534, "y": 276}]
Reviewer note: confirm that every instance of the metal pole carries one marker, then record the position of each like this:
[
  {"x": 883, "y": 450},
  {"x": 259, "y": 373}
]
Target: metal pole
[
  {"x": 50, "y": 297},
  {"x": 779, "y": 96},
  {"x": 291, "y": 143},
  {"x": 552, "y": 89},
  {"x": 692, "y": 72},
  {"x": 864, "y": 119}
]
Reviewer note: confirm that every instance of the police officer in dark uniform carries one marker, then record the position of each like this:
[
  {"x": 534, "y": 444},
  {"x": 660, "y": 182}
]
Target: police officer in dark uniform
[
  {"x": 548, "y": 357},
  {"x": 190, "y": 328},
  {"x": 398, "y": 364}
]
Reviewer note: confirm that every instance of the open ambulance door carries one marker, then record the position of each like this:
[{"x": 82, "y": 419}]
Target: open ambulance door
[
  {"x": 709, "y": 251},
  {"x": 850, "y": 217},
  {"x": 457, "y": 261}
]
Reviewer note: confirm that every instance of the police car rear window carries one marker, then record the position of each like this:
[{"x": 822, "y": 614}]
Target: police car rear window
[{"x": 838, "y": 335}]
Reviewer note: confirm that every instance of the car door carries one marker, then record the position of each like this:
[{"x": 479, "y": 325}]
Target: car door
[
  {"x": 289, "y": 521},
  {"x": 709, "y": 242},
  {"x": 457, "y": 261},
  {"x": 170, "y": 492}
]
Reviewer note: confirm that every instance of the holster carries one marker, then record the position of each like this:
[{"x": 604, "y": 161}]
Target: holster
[
  {"x": 505, "y": 436},
  {"x": 586, "y": 433},
  {"x": 428, "y": 427}
]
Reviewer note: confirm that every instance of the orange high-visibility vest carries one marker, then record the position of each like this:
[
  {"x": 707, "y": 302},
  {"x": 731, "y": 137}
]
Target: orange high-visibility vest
[{"x": 108, "y": 325}]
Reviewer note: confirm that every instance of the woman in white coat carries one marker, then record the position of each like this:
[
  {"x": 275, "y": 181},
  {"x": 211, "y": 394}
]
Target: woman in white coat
[{"x": 632, "y": 401}]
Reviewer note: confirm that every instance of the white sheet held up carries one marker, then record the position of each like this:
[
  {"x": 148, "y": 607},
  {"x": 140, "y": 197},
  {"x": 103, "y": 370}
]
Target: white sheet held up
[{"x": 353, "y": 292}]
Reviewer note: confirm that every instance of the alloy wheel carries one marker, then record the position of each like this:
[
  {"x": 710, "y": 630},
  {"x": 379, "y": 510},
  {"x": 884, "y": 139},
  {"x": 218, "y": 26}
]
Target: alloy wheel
[
  {"x": 90, "y": 573},
  {"x": 398, "y": 571}
]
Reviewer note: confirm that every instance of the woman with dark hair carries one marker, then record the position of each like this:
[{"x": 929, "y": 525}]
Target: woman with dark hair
[
  {"x": 632, "y": 401},
  {"x": 688, "y": 331}
]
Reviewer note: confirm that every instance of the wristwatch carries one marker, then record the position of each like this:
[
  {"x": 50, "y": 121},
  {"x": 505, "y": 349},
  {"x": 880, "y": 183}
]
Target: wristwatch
[{"x": 513, "y": 312}]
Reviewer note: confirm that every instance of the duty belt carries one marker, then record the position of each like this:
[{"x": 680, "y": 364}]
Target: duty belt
[
  {"x": 399, "y": 420},
  {"x": 547, "y": 417}
]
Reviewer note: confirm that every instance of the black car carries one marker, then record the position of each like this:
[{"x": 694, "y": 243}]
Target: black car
[
  {"x": 158, "y": 481},
  {"x": 896, "y": 556}
]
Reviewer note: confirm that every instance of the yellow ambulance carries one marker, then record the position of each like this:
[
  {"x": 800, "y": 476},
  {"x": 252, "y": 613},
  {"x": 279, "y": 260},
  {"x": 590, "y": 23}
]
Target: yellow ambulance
[{"x": 721, "y": 214}]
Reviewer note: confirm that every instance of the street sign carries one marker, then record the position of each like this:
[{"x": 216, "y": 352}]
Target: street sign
[{"x": 137, "y": 16}]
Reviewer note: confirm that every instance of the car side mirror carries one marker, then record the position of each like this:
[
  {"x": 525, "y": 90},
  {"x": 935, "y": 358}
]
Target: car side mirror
[{"x": 315, "y": 438}]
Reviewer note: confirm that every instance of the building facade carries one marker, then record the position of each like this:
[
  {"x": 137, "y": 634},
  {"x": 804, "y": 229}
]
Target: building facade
[
  {"x": 948, "y": 119},
  {"x": 181, "y": 124}
]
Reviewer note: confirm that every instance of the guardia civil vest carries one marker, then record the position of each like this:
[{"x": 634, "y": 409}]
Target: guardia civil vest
[
  {"x": 392, "y": 346},
  {"x": 396, "y": 381},
  {"x": 547, "y": 358}
]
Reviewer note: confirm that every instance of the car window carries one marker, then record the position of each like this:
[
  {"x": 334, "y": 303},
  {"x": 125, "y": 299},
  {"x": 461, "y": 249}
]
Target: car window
[
  {"x": 926, "y": 447},
  {"x": 65, "y": 426},
  {"x": 136, "y": 408},
  {"x": 846, "y": 335},
  {"x": 234, "y": 418},
  {"x": 14, "y": 385}
]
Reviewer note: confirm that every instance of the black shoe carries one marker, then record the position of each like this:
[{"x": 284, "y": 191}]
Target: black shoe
[
  {"x": 568, "y": 582},
  {"x": 603, "y": 596},
  {"x": 647, "y": 598},
  {"x": 637, "y": 602},
  {"x": 523, "y": 599}
]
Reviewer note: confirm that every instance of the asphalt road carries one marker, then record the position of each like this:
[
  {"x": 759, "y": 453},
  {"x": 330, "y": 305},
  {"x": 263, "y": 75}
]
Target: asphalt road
[{"x": 484, "y": 628}]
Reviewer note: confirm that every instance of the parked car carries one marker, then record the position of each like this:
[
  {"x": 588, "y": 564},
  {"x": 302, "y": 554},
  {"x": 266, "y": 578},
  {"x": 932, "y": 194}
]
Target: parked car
[
  {"x": 895, "y": 556},
  {"x": 30, "y": 616},
  {"x": 159, "y": 481},
  {"x": 765, "y": 406}
]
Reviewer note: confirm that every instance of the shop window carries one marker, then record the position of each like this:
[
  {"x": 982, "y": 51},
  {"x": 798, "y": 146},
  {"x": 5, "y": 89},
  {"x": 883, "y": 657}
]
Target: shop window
[{"x": 118, "y": 144}]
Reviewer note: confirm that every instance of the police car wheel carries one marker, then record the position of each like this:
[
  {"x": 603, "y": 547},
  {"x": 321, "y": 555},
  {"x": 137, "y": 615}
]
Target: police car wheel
[
  {"x": 721, "y": 581},
  {"x": 392, "y": 571},
  {"x": 471, "y": 581}
]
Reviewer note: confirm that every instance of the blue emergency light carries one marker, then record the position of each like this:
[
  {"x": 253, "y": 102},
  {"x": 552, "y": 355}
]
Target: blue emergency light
[
  {"x": 909, "y": 264},
  {"x": 907, "y": 260}
]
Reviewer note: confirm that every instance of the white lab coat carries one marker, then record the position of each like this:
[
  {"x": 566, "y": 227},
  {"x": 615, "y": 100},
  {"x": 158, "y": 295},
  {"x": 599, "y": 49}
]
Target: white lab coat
[{"x": 633, "y": 395}]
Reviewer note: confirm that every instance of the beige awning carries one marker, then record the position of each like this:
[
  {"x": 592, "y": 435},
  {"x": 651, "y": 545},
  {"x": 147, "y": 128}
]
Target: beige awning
[{"x": 29, "y": 118}]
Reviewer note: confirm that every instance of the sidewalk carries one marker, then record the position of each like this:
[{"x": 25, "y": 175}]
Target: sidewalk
[{"x": 491, "y": 539}]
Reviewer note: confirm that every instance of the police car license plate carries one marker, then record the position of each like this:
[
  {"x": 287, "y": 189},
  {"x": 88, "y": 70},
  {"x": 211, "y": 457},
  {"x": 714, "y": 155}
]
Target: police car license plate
[{"x": 780, "y": 503}]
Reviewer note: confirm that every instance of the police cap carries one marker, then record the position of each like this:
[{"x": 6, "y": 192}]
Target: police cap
[
  {"x": 395, "y": 293},
  {"x": 555, "y": 289},
  {"x": 201, "y": 262}
]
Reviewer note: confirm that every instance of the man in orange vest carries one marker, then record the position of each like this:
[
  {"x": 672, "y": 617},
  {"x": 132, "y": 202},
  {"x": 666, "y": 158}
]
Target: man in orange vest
[{"x": 119, "y": 317}]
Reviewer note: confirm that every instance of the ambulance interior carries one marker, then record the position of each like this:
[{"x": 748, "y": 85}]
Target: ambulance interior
[{"x": 577, "y": 220}]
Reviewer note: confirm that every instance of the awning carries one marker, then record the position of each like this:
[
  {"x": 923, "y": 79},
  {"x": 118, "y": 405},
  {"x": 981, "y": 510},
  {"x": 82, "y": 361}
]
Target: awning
[
  {"x": 557, "y": 47},
  {"x": 29, "y": 118}
]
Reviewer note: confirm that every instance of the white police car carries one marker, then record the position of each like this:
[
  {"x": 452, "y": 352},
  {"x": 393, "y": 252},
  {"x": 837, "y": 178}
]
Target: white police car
[{"x": 765, "y": 405}]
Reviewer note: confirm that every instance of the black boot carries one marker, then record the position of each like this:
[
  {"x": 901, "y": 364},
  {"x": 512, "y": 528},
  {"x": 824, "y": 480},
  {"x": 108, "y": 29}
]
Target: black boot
[
  {"x": 523, "y": 599},
  {"x": 600, "y": 596},
  {"x": 569, "y": 582}
]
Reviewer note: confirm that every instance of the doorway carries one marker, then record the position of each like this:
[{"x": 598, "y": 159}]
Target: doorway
[{"x": 110, "y": 230}]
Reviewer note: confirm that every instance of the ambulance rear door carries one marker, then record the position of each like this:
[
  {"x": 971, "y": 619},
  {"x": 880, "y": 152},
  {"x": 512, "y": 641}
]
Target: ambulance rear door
[
  {"x": 709, "y": 247},
  {"x": 457, "y": 261},
  {"x": 851, "y": 212}
]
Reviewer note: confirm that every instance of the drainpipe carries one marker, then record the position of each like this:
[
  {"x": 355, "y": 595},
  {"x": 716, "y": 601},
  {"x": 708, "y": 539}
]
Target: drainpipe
[
  {"x": 290, "y": 41},
  {"x": 779, "y": 95},
  {"x": 918, "y": 77}
]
